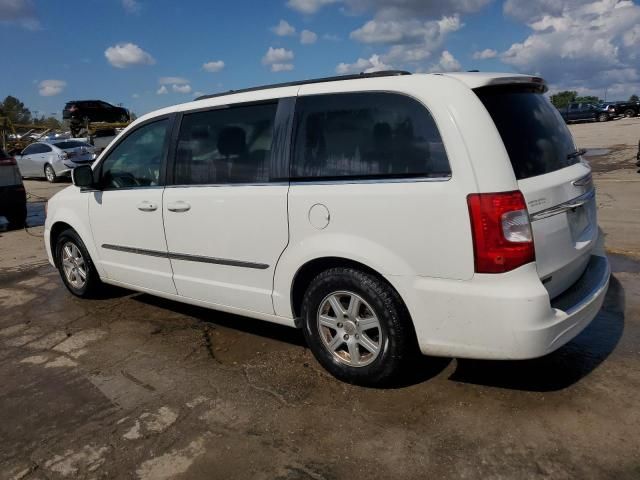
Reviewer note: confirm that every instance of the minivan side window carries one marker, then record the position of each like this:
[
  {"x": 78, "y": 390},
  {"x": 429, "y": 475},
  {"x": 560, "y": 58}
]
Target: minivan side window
[
  {"x": 366, "y": 135},
  {"x": 136, "y": 160},
  {"x": 227, "y": 145}
]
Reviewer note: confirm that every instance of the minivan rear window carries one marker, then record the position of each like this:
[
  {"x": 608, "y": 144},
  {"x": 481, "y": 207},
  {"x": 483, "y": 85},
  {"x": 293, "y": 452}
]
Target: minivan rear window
[{"x": 534, "y": 134}]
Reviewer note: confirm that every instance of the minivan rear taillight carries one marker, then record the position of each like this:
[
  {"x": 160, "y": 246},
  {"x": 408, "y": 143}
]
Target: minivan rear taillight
[
  {"x": 502, "y": 238},
  {"x": 7, "y": 161}
]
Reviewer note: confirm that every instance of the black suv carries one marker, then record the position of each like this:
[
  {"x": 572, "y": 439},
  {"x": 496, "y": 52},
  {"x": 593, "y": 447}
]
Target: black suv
[
  {"x": 80, "y": 111},
  {"x": 13, "y": 198}
]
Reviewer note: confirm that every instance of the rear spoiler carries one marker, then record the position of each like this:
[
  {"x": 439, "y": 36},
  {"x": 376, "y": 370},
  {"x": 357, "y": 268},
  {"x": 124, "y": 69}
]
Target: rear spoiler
[{"x": 536, "y": 82}]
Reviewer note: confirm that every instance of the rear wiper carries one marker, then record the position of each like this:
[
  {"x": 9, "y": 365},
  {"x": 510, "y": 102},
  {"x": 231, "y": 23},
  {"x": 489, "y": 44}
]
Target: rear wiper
[{"x": 577, "y": 153}]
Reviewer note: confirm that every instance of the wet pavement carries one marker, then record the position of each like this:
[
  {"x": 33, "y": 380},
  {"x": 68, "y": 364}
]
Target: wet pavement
[{"x": 132, "y": 386}]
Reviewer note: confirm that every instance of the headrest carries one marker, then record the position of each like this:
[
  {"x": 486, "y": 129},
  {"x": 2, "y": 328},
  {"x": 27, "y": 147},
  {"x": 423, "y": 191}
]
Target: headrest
[{"x": 232, "y": 141}]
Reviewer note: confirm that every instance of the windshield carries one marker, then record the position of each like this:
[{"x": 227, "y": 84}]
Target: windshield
[
  {"x": 533, "y": 131},
  {"x": 71, "y": 144}
]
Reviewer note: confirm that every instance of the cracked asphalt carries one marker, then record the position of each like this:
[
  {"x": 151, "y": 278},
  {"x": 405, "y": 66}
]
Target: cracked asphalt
[{"x": 131, "y": 386}]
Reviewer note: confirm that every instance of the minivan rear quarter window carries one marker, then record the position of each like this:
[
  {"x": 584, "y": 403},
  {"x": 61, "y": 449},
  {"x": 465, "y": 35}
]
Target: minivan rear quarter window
[
  {"x": 366, "y": 135},
  {"x": 532, "y": 130}
]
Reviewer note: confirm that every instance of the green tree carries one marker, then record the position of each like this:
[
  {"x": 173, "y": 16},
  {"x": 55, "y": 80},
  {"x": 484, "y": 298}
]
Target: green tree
[
  {"x": 14, "y": 109},
  {"x": 50, "y": 122},
  {"x": 634, "y": 98},
  {"x": 562, "y": 99},
  {"x": 587, "y": 99}
]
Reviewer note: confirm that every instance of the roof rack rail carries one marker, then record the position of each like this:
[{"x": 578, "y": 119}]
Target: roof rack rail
[{"x": 382, "y": 73}]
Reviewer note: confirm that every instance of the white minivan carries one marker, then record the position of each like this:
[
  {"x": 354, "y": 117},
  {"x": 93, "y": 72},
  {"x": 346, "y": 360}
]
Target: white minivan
[{"x": 384, "y": 214}]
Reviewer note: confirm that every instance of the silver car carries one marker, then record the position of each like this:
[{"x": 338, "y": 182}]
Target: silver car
[{"x": 55, "y": 159}]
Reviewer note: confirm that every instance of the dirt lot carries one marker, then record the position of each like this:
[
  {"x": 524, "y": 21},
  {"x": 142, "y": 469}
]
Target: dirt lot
[{"x": 136, "y": 387}]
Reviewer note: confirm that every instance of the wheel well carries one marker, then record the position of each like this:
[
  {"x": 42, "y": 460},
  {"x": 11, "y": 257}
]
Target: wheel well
[
  {"x": 56, "y": 230},
  {"x": 313, "y": 268}
]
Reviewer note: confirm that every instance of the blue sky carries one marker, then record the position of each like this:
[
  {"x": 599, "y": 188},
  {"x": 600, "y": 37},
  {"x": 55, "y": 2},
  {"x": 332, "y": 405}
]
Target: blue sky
[{"x": 133, "y": 51}]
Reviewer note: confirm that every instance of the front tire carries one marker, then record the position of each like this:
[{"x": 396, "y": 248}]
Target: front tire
[
  {"x": 603, "y": 117},
  {"x": 76, "y": 268},
  {"x": 50, "y": 173},
  {"x": 357, "y": 326}
]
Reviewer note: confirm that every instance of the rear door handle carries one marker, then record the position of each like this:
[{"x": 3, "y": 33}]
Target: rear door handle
[
  {"x": 147, "y": 206},
  {"x": 178, "y": 206}
]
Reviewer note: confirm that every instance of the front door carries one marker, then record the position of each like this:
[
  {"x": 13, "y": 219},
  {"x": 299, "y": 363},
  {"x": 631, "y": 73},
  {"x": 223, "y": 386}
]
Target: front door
[
  {"x": 126, "y": 213},
  {"x": 225, "y": 220}
]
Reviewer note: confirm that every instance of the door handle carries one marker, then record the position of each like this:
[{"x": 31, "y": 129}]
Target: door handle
[
  {"x": 178, "y": 206},
  {"x": 147, "y": 206}
]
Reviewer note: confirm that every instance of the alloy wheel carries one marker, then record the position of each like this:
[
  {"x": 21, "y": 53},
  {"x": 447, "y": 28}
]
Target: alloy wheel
[
  {"x": 349, "y": 329},
  {"x": 50, "y": 173},
  {"x": 74, "y": 265}
]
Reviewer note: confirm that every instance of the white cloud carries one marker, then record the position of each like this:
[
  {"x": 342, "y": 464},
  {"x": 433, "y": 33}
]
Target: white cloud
[
  {"x": 485, "y": 54},
  {"x": 309, "y": 6},
  {"x": 394, "y": 9},
  {"x": 578, "y": 44},
  {"x": 447, "y": 63},
  {"x": 332, "y": 37},
  {"x": 170, "y": 80},
  {"x": 283, "y": 29},
  {"x": 308, "y": 37},
  {"x": 372, "y": 64},
  {"x": 407, "y": 31},
  {"x": 181, "y": 88},
  {"x": 131, "y": 6},
  {"x": 282, "y": 67},
  {"x": 125, "y": 55},
  {"x": 278, "y": 59},
  {"x": 213, "y": 66},
  {"x": 410, "y": 41},
  {"x": 135, "y": 95},
  {"x": 49, "y": 88},
  {"x": 198, "y": 93},
  {"x": 22, "y": 12},
  {"x": 178, "y": 85}
]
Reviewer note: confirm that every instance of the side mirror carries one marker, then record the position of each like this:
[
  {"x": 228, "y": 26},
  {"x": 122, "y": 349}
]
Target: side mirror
[{"x": 82, "y": 176}]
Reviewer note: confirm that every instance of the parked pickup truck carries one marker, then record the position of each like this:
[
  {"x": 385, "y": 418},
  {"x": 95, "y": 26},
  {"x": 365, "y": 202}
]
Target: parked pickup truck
[
  {"x": 575, "y": 112},
  {"x": 628, "y": 109}
]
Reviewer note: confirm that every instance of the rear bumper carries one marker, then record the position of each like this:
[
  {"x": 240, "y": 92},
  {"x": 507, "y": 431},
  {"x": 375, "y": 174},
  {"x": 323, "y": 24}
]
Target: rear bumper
[{"x": 509, "y": 316}]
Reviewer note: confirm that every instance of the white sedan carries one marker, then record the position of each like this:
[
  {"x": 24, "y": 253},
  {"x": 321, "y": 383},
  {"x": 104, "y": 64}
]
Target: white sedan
[{"x": 52, "y": 160}]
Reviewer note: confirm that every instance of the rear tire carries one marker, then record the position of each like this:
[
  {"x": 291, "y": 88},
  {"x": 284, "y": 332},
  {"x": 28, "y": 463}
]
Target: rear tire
[
  {"x": 357, "y": 327},
  {"x": 630, "y": 112},
  {"x": 76, "y": 268},
  {"x": 50, "y": 173},
  {"x": 603, "y": 117}
]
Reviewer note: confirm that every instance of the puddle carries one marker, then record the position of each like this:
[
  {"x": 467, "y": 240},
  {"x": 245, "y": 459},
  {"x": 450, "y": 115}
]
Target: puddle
[
  {"x": 597, "y": 152},
  {"x": 623, "y": 263},
  {"x": 35, "y": 216}
]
